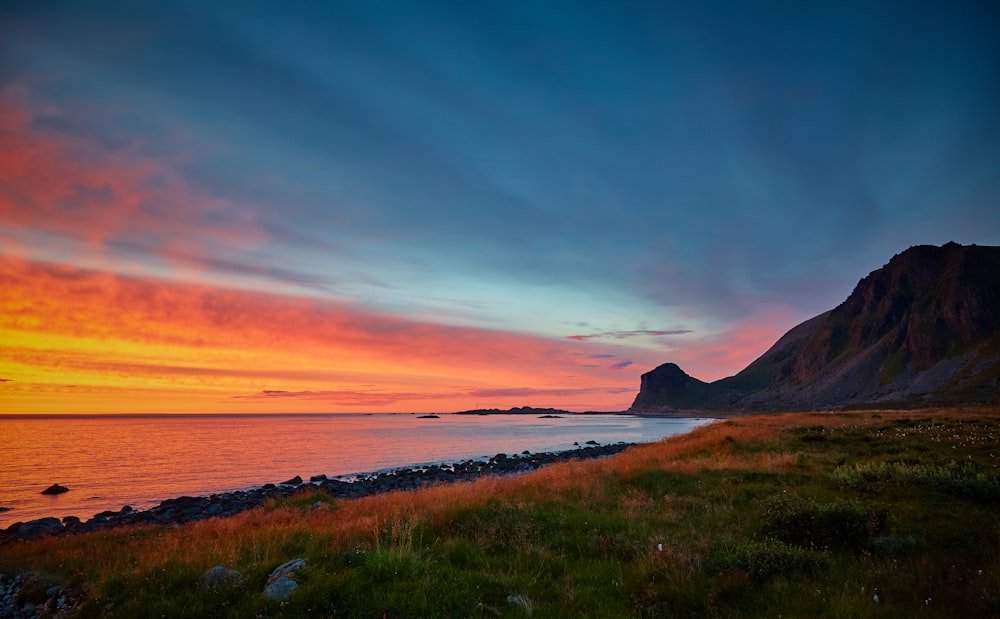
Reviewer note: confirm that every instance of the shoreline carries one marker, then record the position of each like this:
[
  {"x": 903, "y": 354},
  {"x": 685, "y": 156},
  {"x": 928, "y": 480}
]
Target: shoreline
[{"x": 184, "y": 509}]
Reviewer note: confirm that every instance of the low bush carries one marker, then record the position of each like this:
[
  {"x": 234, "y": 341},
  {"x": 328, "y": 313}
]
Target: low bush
[
  {"x": 964, "y": 479},
  {"x": 810, "y": 524},
  {"x": 766, "y": 560}
]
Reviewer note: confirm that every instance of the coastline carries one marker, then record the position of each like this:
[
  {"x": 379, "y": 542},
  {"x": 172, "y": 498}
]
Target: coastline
[
  {"x": 185, "y": 509},
  {"x": 105, "y": 465}
]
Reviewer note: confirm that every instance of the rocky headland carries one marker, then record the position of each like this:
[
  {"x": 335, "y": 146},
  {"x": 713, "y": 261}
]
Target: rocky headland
[{"x": 923, "y": 330}]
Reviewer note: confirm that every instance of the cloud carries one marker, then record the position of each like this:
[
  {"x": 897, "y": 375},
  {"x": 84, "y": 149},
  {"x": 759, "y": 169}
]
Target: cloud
[
  {"x": 75, "y": 187},
  {"x": 726, "y": 353},
  {"x": 525, "y": 392},
  {"x": 621, "y": 335},
  {"x": 66, "y": 324},
  {"x": 343, "y": 398},
  {"x": 139, "y": 364},
  {"x": 388, "y": 398},
  {"x": 621, "y": 365}
]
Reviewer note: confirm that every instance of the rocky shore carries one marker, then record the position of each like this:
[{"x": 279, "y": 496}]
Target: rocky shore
[
  {"x": 189, "y": 509},
  {"x": 26, "y": 596}
]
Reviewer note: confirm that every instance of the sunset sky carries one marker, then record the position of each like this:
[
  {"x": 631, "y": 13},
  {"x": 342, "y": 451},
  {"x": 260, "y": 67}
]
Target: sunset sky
[{"x": 382, "y": 205}]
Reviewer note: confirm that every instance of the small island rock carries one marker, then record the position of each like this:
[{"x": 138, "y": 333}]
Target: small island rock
[{"x": 55, "y": 489}]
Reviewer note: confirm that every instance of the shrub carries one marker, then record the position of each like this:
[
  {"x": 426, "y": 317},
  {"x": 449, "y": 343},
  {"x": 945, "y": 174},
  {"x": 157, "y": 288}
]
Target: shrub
[
  {"x": 764, "y": 561},
  {"x": 965, "y": 479},
  {"x": 808, "y": 523}
]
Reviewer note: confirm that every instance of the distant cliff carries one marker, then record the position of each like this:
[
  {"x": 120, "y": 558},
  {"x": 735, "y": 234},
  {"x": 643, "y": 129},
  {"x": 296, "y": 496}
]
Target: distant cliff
[{"x": 923, "y": 330}]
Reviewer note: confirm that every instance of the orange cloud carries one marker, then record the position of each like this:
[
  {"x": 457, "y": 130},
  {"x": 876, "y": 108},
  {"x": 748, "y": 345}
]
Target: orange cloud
[
  {"x": 725, "y": 354},
  {"x": 206, "y": 348},
  {"x": 70, "y": 185}
]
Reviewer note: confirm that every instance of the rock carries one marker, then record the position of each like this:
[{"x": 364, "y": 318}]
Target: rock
[
  {"x": 127, "y": 509},
  {"x": 195, "y": 512},
  {"x": 318, "y": 478},
  {"x": 221, "y": 576},
  {"x": 280, "y": 584},
  {"x": 39, "y": 528},
  {"x": 669, "y": 385},
  {"x": 59, "y": 600},
  {"x": 5, "y": 509},
  {"x": 55, "y": 489},
  {"x": 295, "y": 481},
  {"x": 214, "y": 509},
  {"x": 281, "y": 589}
]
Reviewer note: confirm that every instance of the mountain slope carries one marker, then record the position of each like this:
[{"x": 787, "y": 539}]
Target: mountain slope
[{"x": 922, "y": 330}]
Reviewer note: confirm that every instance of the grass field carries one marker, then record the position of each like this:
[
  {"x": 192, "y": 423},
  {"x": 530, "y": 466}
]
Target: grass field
[{"x": 859, "y": 514}]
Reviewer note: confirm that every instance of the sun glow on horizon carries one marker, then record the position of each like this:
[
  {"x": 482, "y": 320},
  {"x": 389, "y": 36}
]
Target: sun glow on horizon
[{"x": 88, "y": 341}]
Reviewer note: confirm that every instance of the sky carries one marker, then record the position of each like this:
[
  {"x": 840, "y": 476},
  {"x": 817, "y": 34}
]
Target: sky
[{"x": 382, "y": 205}]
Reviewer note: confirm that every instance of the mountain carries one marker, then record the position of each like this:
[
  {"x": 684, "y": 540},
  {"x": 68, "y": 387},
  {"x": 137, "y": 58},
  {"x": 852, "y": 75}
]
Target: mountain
[{"x": 923, "y": 330}]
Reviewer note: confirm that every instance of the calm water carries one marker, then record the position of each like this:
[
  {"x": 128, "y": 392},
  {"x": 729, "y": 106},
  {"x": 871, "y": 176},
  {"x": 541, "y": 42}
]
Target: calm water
[{"x": 107, "y": 462}]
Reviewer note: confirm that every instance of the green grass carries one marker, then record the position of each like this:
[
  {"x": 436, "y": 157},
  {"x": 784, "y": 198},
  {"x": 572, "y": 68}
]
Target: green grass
[{"x": 797, "y": 516}]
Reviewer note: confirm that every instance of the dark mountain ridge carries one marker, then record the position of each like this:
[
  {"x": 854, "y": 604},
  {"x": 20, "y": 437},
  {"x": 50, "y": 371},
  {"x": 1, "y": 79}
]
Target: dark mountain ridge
[{"x": 923, "y": 330}]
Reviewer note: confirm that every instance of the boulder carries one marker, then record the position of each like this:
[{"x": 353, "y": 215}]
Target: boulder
[
  {"x": 295, "y": 481},
  {"x": 40, "y": 527},
  {"x": 280, "y": 584},
  {"x": 55, "y": 489},
  {"x": 221, "y": 576}
]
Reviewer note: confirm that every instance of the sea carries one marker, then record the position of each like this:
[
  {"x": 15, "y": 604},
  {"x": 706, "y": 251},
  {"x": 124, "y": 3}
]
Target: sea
[{"x": 108, "y": 461}]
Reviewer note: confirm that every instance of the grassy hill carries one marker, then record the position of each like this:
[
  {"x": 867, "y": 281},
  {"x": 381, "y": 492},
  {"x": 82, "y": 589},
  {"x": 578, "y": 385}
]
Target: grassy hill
[{"x": 794, "y": 515}]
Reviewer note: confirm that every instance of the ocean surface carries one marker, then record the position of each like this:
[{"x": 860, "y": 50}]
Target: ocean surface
[{"x": 140, "y": 460}]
